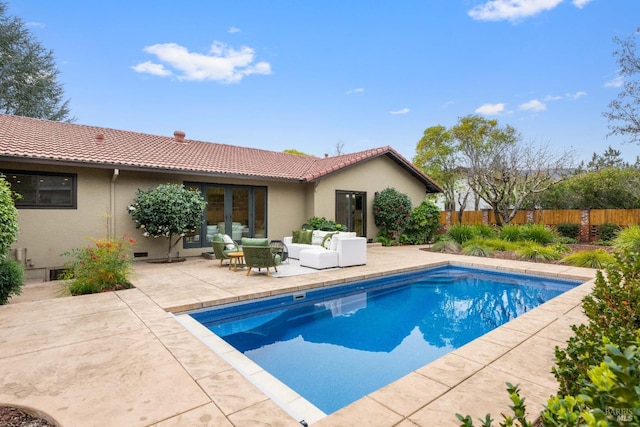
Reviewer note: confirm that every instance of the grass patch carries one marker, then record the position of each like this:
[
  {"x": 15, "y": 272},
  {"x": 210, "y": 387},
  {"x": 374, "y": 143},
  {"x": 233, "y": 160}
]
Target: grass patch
[{"x": 597, "y": 258}]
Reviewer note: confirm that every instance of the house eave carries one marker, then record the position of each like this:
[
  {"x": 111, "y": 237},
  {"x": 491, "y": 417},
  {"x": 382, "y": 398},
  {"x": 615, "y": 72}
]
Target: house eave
[{"x": 137, "y": 168}]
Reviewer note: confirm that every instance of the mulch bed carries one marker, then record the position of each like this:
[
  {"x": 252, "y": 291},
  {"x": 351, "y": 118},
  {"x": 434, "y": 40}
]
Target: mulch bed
[{"x": 14, "y": 417}]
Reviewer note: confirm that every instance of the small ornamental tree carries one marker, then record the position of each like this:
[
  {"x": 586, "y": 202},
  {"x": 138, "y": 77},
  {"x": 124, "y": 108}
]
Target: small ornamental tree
[
  {"x": 391, "y": 210},
  {"x": 169, "y": 211}
]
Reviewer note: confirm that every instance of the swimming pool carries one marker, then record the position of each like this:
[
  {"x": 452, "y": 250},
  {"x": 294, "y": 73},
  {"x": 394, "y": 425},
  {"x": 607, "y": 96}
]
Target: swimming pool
[{"x": 335, "y": 345}]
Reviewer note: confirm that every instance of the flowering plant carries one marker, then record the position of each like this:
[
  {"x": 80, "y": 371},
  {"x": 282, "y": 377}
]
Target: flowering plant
[
  {"x": 391, "y": 210},
  {"x": 104, "y": 266}
]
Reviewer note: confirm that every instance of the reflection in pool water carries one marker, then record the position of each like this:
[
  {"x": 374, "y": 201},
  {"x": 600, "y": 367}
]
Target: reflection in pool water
[{"x": 337, "y": 345}]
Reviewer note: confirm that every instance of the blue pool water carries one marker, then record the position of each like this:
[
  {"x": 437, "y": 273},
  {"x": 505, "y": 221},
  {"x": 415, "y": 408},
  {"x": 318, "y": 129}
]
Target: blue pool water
[{"x": 336, "y": 345}]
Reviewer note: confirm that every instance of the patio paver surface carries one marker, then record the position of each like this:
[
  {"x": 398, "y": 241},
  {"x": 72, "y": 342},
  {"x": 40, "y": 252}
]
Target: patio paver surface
[{"x": 123, "y": 359}]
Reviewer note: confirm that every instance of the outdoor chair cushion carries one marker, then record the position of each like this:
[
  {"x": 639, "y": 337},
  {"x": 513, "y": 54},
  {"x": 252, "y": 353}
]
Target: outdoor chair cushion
[{"x": 259, "y": 256}]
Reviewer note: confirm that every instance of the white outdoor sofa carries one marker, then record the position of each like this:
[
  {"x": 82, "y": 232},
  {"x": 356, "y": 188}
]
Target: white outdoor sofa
[{"x": 329, "y": 249}]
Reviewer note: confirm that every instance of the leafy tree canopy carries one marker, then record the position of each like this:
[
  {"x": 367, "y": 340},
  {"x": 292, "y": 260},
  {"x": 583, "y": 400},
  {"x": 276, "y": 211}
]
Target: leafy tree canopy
[
  {"x": 611, "y": 158},
  {"x": 610, "y": 188},
  {"x": 169, "y": 210},
  {"x": 624, "y": 111},
  {"x": 480, "y": 155},
  {"x": 29, "y": 84}
]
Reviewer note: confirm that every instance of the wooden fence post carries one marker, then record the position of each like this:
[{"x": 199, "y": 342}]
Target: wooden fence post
[
  {"x": 585, "y": 226},
  {"x": 485, "y": 216}
]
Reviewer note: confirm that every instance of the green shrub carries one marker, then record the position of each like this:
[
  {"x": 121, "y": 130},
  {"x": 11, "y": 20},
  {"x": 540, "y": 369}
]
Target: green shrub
[
  {"x": 447, "y": 245},
  {"x": 510, "y": 233},
  {"x": 608, "y": 231},
  {"x": 628, "y": 239},
  {"x": 495, "y": 244},
  {"x": 537, "y": 233},
  {"x": 11, "y": 279},
  {"x": 321, "y": 223},
  {"x": 568, "y": 229},
  {"x": 597, "y": 258},
  {"x": 610, "y": 396},
  {"x": 484, "y": 230},
  {"x": 461, "y": 233},
  {"x": 536, "y": 252},
  {"x": 562, "y": 248},
  {"x": 8, "y": 217},
  {"x": 476, "y": 248},
  {"x": 612, "y": 312},
  {"x": 424, "y": 221},
  {"x": 567, "y": 240},
  {"x": 106, "y": 266},
  {"x": 391, "y": 210}
]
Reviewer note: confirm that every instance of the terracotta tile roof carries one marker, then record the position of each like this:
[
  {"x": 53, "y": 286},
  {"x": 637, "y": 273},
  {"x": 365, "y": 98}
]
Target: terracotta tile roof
[{"x": 40, "y": 140}]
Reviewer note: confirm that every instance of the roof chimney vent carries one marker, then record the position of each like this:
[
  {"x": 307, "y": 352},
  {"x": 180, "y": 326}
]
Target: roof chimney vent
[
  {"x": 326, "y": 155},
  {"x": 100, "y": 138},
  {"x": 179, "y": 136}
]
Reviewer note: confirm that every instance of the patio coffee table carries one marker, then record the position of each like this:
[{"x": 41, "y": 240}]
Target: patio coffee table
[{"x": 236, "y": 259}]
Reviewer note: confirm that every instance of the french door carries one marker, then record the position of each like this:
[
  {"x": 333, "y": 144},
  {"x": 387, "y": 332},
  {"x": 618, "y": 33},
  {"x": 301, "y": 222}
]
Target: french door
[
  {"x": 238, "y": 211},
  {"x": 351, "y": 210}
]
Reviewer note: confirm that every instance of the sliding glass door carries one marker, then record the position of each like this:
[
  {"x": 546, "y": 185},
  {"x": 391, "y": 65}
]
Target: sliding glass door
[
  {"x": 350, "y": 210},
  {"x": 238, "y": 211}
]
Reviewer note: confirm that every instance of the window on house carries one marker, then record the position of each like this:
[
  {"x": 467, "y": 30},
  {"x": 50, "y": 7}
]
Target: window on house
[{"x": 43, "y": 190}]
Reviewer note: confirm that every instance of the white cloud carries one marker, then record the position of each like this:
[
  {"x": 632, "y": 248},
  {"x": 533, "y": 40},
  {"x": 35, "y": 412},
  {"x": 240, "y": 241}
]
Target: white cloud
[
  {"x": 576, "y": 95},
  {"x": 403, "y": 111},
  {"x": 233, "y": 30},
  {"x": 151, "y": 68},
  {"x": 581, "y": 3},
  {"x": 491, "y": 109},
  {"x": 533, "y": 105},
  {"x": 221, "y": 63},
  {"x": 617, "y": 82},
  {"x": 515, "y": 10},
  {"x": 34, "y": 24},
  {"x": 357, "y": 91}
]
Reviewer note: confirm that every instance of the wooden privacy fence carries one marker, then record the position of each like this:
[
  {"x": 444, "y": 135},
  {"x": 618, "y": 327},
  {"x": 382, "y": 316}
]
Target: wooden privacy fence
[{"x": 588, "y": 219}]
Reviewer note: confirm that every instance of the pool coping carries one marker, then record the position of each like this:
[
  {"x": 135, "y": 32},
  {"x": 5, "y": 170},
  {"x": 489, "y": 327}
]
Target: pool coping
[{"x": 167, "y": 377}]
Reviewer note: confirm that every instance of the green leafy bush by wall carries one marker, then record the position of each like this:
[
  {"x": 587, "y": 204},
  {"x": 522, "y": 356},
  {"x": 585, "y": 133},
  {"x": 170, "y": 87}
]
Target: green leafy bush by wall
[
  {"x": 8, "y": 217},
  {"x": 608, "y": 231},
  {"x": 424, "y": 221},
  {"x": 11, "y": 273},
  {"x": 569, "y": 230},
  {"x": 391, "y": 211},
  {"x": 11, "y": 279},
  {"x": 321, "y": 223}
]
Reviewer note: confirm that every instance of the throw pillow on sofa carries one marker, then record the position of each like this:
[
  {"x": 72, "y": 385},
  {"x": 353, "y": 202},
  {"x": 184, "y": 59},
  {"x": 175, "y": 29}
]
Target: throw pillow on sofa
[
  {"x": 295, "y": 236},
  {"x": 306, "y": 236},
  {"x": 230, "y": 244}
]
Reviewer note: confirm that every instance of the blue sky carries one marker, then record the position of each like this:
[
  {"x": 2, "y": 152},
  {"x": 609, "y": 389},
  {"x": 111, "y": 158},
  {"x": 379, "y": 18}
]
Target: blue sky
[{"x": 312, "y": 75}]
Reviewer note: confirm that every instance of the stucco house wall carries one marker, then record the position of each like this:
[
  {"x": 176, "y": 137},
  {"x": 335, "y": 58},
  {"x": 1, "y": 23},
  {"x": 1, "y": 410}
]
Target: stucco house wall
[
  {"x": 102, "y": 200},
  {"x": 110, "y": 165},
  {"x": 370, "y": 177}
]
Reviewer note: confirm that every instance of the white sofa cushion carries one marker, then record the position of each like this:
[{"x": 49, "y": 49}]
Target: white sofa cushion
[
  {"x": 230, "y": 244},
  {"x": 318, "y": 258}
]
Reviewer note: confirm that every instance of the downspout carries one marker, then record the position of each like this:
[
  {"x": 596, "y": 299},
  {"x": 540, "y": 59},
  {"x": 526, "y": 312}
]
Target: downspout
[{"x": 112, "y": 204}]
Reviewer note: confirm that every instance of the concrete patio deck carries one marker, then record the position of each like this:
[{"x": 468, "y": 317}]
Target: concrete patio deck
[{"x": 123, "y": 359}]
